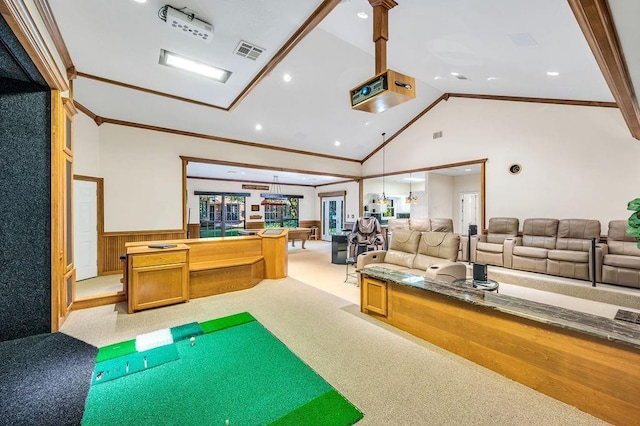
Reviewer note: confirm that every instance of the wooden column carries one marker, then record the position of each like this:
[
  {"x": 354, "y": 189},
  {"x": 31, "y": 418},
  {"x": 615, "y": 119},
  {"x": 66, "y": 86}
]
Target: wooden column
[{"x": 381, "y": 31}]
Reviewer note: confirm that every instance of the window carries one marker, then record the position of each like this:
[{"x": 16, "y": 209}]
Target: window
[{"x": 282, "y": 216}]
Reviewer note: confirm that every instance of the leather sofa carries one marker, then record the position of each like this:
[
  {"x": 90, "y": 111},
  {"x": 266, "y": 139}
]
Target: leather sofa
[
  {"x": 530, "y": 251},
  {"x": 489, "y": 248},
  {"x": 421, "y": 224},
  {"x": 431, "y": 254},
  {"x": 621, "y": 261},
  {"x": 572, "y": 255}
]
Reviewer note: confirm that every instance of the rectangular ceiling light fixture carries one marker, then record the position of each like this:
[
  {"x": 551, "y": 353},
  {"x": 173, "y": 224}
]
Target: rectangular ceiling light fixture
[{"x": 174, "y": 60}]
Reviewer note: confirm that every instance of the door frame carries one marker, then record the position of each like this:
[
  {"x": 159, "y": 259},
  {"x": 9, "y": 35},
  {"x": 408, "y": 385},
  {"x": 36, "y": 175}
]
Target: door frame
[
  {"x": 329, "y": 198},
  {"x": 76, "y": 222}
]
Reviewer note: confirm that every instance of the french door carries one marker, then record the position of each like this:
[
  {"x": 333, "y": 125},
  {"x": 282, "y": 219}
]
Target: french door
[{"x": 332, "y": 216}]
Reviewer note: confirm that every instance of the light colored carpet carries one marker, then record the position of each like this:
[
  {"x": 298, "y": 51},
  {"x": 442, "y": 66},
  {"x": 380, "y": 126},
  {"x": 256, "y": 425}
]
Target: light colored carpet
[{"x": 393, "y": 377}]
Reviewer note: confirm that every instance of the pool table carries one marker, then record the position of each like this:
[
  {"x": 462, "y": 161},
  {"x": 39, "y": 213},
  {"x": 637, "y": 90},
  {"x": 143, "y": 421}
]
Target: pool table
[{"x": 294, "y": 234}]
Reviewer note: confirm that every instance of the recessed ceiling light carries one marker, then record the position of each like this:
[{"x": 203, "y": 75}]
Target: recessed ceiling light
[
  {"x": 258, "y": 126},
  {"x": 366, "y": 123},
  {"x": 455, "y": 74},
  {"x": 553, "y": 73},
  {"x": 467, "y": 170},
  {"x": 286, "y": 77},
  {"x": 491, "y": 78},
  {"x": 174, "y": 60},
  {"x": 437, "y": 77},
  {"x": 140, "y": 1},
  {"x": 363, "y": 15},
  {"x": 337, "y": 143}
]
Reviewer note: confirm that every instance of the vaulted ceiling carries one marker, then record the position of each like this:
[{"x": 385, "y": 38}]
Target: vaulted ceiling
[{"x": 497, "y": 48}]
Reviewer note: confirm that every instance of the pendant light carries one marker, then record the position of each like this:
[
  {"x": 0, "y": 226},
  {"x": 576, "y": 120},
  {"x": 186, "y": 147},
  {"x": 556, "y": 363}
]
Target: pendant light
[
  {"x": 275, "y": 197},
  {"x": 383, "y": 199},
  {"x": 411, "y": 199}
]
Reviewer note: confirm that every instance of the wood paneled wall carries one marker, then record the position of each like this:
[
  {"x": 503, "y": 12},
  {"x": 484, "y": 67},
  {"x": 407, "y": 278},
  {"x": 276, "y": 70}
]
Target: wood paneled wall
[{"x": 112, "y": 246}]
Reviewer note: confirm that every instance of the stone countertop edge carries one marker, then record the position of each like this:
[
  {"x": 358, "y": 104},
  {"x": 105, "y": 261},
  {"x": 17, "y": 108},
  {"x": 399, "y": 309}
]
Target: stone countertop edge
[{"x": 604, "y": 328}]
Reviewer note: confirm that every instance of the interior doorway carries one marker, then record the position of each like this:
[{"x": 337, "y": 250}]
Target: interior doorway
[
  {"x": 469, "y": 204},
  {"x": 85, "y": 228},
  {"x": 332, "y": 216}
]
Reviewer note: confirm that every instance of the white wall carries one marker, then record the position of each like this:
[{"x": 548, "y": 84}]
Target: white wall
[
  {"x": 142, "y": 173},
  {"x": 440, "y": 193},
  {"x": 86, "y": 146},
  {"x": 577, "y": 161}
]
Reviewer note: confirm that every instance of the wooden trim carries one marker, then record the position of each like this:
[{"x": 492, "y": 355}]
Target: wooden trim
[
  {"x": 69, "y": 107},
  {"x": 149, "y": 91},
  {"x": 54, "y": 31},
  {"x": 262, "y": 167},
  {"x": 25, "y": 29},
  {"x": 336, "y": 183},
  {"x": 185, "y": 197},
  {"x": 444, "y": 97},
  {"x": 431, "y": 168},
  {"x": 88, "y": 113},
  {"x": 100, "y": 300},
  {"x": 535, "y": 100},
  {"x": 332, "y": 194},
  {"x": 246, "y": 181},
  {"x": 143, "y": 232},
  {"x": 100, "y": 211},
  {"x": 219, "y": 139},
  {"x": 57, "y": 271},
  {"x": 596, "y": 22},
  {"x": 316, "y": 17},
  {"x": 483, "y": 195}
]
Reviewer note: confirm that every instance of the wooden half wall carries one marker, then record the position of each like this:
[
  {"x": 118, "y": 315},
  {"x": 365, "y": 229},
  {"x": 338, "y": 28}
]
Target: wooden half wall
[{"x": 112, "y": 245}]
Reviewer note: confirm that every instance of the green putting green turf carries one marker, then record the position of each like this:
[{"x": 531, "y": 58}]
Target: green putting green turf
[{"x": 237, "y": 372}]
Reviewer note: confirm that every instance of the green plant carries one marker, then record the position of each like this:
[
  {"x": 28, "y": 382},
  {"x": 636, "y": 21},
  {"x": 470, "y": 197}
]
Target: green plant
[{"x": 634, "y": 219}]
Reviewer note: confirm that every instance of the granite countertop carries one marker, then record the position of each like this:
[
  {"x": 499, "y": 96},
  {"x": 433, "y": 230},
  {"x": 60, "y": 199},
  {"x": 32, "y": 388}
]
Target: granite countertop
[{"x": 604, "y": 328}]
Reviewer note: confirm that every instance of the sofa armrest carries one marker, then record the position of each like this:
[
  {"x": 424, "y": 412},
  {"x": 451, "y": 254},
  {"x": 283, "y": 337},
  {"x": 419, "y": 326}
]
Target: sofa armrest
[
  {"x": 601, "y": 250},
  {"x": 474, "y": 246},
  {"x": 369, "y": 257},
  {"x": 446, "y": 271},
  {"x": 507, "y": 250}
]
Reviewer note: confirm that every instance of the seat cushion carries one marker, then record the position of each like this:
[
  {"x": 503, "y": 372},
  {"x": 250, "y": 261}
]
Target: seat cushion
[
  {"x": 534, "y": 252},
  {"x": 569, "y": 256},
  {"x": 490, "y": 247},
  {"x": 621, "y": 261}
]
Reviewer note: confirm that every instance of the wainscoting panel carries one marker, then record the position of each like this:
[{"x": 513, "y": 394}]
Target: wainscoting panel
[{"x": 112, "y": 246}]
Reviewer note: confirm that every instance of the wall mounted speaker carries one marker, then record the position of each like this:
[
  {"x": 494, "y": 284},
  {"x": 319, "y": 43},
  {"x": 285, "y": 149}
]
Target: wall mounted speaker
[{"x": 515, "y": 168}]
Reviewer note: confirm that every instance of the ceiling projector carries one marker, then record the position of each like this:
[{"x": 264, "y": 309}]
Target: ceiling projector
[
  {"x": 188, "y": 24},
  {"x": 385, "y": 90}
]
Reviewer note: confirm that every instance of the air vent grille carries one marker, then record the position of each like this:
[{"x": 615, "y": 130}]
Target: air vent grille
[{"x": 248, "y": 50}]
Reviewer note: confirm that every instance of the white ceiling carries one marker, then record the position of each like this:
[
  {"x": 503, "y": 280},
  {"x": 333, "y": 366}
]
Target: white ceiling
[{"x": 514, "y": 41}]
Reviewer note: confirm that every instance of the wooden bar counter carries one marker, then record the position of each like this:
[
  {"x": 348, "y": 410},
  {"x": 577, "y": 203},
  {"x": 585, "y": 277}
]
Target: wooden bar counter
[
  {"x": 587, "y": 361},
  {"x": 207, "y": 266}
]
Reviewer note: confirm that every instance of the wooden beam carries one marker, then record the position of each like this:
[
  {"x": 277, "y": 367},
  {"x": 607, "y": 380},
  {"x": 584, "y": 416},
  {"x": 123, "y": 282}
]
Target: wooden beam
[
  {"x": 381, "y": 31},
  {"x": 596, "y": 22}
]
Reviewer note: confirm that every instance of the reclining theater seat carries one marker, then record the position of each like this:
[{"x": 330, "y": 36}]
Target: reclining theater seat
[
  {"x": 529, "y": 252},
  {"x": 621, "y": 265},
  {"x": 439, "y": 225},
  {"x": 437, "y": 255},
  {"x": 489, "y": 248},
  {"x": 572, "y": 255},
  {"x": 400, "y": 256}
]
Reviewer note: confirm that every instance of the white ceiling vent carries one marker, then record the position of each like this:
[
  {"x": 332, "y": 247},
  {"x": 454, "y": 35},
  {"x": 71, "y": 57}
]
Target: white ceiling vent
[{"x": 248, "y": 50}]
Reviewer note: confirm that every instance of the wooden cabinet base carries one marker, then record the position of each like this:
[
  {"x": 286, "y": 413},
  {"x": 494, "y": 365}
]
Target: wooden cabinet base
[
  {"x": 223, "y": 280},
  {"x": 597, "y": 376},
  {"x": 157, "y": 277}
]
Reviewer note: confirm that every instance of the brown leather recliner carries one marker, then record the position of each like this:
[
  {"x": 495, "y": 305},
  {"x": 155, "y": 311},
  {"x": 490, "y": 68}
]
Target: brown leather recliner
[
  {"x": 621, "y": 265},
  {"x": 572, "y": 255},
  {"x": 529, "y": 252},
  {"x": 489, "y": 248}
]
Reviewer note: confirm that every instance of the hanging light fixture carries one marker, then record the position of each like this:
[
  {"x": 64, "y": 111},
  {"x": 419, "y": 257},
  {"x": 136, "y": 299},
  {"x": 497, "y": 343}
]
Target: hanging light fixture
[
  {"x": 275, "y": 197},
  {"x": 411, "y": 199},
  {"x": 383, "y": 199}
]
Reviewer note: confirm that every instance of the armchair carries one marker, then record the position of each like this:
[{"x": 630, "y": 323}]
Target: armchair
[
  {"x": 621, "y": 265},
  {"x": 366, "y": 235},
  {"x": 529, "y": 252},
  {"x": 489, "y": 248},
  {"x": 572, "y": 255}
]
